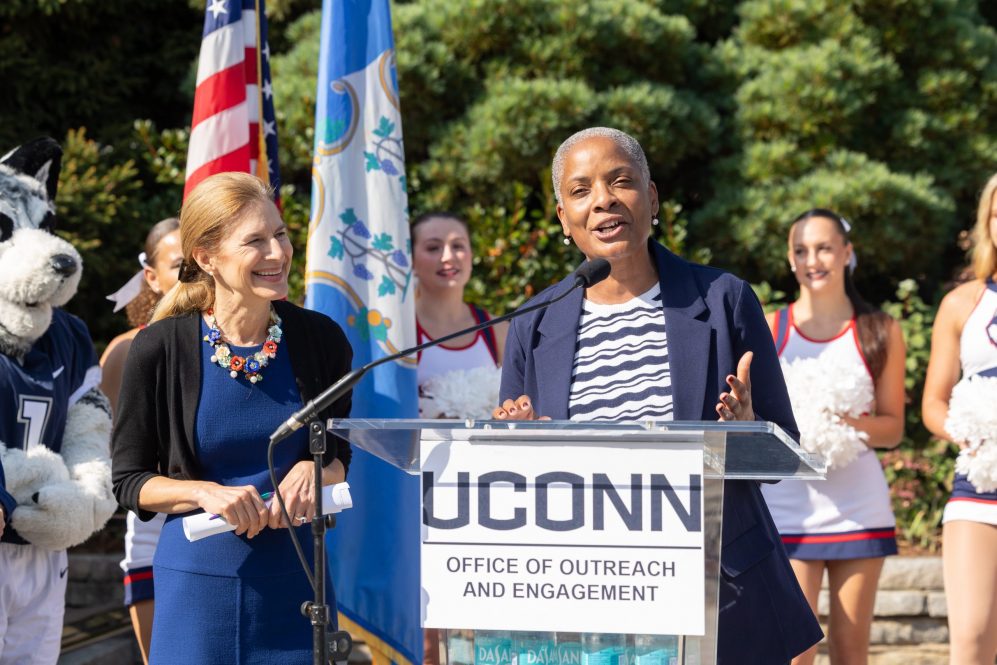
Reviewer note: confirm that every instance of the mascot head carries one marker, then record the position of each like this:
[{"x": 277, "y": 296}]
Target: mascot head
[{"x": 38, "y": 270}]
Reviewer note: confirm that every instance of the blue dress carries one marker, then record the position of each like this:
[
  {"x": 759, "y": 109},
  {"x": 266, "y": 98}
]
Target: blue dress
[{"x": 227, "y": 599}]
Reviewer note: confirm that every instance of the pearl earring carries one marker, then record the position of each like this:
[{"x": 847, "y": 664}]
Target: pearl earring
[
  {"x": 567, "y": 240},
  {"x": 654, "y": 221}
]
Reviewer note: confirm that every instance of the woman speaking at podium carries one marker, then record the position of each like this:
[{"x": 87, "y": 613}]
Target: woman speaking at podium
[
  {"x": 685, "y": 342},
  {"x": 223, "y": 364}
]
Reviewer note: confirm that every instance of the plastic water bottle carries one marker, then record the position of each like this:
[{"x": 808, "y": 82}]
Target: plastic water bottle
[
  {"x": 656, "y": 650},
  {"x": 533, "y": 648},
  {"x": 604, "y": 649},
  {"x": 460, "y": 647},
  {"x": 569, "y": 649},
  {"x": 492, "y": 647}
]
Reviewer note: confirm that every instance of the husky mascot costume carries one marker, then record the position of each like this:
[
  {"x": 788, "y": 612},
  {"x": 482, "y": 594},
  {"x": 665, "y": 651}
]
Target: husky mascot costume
[{"x": 55, "y": 424}]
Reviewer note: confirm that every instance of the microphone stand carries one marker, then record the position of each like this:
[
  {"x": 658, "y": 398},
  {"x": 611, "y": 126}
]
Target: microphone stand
[{"x": 325, "y": 644}]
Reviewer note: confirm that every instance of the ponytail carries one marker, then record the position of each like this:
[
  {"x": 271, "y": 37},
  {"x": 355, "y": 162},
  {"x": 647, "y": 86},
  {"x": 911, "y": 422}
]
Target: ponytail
[
  {"x": 185, "y": 297},
  {"x": 872, "y": 325},
  {"x": 139, "y": 310}
]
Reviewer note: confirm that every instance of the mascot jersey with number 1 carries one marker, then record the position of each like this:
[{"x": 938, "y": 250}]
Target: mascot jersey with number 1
[
  {"x": 54, "y": 422},
  {"x": 59, "y": 369}
]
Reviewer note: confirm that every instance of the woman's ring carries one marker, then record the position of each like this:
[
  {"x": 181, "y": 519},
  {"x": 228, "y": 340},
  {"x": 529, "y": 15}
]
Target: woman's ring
[{"x": 301, "y": 518}]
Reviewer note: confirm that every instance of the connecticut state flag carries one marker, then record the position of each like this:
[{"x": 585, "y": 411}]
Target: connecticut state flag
[{"x": 359, "y": 272}]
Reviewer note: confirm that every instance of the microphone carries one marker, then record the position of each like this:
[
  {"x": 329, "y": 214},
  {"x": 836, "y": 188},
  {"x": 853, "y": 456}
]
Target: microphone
[
  {"x": 587, "y": 275},
  {"x": 590, "y": 273}
]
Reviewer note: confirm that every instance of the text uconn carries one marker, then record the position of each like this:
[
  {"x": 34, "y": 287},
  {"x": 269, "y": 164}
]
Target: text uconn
[{"x": 590, "y": 500}]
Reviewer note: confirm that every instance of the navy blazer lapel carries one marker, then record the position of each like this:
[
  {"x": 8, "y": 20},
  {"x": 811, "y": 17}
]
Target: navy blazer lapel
[
  {"x": 689, "y": 339},
  {"x": 554, "y": 355}
]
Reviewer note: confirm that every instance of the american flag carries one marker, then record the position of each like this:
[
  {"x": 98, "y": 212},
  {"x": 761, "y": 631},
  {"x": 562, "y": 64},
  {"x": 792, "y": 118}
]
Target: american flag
[{"x": 234, "y": 127}]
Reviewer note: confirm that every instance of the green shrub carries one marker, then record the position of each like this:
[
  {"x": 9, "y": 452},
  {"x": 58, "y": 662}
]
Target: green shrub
[
  {"x": 920, "y": 471},
  {"x": 880, "y": 109},
  {"x": 109, "y": 197}
]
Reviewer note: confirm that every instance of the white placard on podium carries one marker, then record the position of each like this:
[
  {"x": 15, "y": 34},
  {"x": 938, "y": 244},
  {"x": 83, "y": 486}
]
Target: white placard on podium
[{"x": 515, "y": 538}]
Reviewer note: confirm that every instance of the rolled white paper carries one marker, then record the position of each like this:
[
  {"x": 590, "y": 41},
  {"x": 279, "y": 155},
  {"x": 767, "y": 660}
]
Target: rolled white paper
[{"x": 335, "y": 498}]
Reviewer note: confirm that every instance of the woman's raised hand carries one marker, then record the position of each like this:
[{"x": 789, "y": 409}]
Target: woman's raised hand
[
  {"x": 736, "y": 405},
  {"x": 242, "y": 506},
  {"x": 298, "y": 490},
  {"x": 520, "y": 408}
]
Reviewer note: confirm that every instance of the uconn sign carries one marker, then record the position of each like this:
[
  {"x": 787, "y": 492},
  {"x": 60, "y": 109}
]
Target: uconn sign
[
  {"x": 537, "y": 530},
  {"x": 588, "y": 498}
]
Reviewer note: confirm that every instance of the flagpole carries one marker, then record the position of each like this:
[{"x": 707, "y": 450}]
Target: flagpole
[
  {"x": 359, "y": 274},
  {"x": 261, "y": 135}
]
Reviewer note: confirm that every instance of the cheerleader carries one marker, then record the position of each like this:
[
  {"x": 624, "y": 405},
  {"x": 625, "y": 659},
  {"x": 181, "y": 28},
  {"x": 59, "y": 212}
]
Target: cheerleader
[
  {"x": 844, "y": 524},
  {"x": 160, "y": 265},
  {"x": 964, "y": 342},
  {"x": 441, "y": 261}
]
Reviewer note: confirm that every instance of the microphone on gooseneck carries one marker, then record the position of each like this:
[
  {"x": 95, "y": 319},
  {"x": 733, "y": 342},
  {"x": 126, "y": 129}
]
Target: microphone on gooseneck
[{"x": 588, "y": 274}]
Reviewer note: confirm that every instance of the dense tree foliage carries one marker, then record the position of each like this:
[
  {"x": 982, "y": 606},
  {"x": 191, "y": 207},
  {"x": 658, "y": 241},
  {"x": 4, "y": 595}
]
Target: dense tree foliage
[
  {"x": 750, "y": 111},
  {"x": 97, "y": 64},
  {"x": 881, "y": 109},
  {"x": 104, "y": 75}
]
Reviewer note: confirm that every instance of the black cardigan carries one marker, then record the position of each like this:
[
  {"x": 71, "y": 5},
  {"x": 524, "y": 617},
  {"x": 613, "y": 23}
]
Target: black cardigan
[{"x": 157, "y": 407}]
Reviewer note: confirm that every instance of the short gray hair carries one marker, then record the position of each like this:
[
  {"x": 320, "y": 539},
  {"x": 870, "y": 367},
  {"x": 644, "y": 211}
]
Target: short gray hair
[{"x": 626, "y": 142}]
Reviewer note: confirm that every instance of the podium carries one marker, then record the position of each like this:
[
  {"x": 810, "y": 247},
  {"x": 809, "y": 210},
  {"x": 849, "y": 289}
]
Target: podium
[{"x": 568, "y": 543}]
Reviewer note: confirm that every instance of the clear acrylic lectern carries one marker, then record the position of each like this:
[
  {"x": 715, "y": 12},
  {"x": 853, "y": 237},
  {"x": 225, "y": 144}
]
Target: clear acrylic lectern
[{"x": 565, "y": 543}]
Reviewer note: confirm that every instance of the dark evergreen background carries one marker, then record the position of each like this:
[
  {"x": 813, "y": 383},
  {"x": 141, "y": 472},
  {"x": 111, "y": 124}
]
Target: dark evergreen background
[{"x": 750, "y": 112}]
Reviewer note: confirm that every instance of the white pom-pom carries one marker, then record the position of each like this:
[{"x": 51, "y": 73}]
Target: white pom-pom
[
  {"x": 821, "y": 390},
  {"x": 254, "y": 379},
  {"x": 234, "y": 374},
  {"x": 972, "y": 420},
  {"x": 465, "y": 394},
  {"x": 214, "y": 359}
]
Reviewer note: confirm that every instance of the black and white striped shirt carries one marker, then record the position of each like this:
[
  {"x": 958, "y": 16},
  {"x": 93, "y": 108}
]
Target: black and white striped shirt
[{"x": 621, "y": 369}]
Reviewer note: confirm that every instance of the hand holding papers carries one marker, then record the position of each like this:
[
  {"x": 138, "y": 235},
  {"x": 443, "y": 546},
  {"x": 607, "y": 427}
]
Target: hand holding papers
[{"x": 335, "y": 499}]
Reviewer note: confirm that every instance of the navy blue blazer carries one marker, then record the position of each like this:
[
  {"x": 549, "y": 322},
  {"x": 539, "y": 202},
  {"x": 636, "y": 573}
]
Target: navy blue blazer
[{"x": 711, "y": 319}]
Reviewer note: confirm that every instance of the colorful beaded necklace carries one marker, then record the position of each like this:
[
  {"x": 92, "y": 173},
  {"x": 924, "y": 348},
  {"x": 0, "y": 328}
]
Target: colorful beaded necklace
[{"x": 252, "y": 366}]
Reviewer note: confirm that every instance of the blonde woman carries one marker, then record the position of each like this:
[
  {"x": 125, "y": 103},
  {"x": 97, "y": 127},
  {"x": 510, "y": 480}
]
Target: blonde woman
[
  {"x": 224, "y": 362},
  {"x": 964, "y": 344}
]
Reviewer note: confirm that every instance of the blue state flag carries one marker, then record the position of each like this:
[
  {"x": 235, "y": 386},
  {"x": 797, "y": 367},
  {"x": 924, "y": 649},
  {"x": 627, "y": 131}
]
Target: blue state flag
[{"x": 359, "y": 272}]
